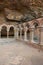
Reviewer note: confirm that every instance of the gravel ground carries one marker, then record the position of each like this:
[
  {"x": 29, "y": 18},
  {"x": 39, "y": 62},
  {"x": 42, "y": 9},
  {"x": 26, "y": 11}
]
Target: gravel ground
[{"x": 13, "y": 52}]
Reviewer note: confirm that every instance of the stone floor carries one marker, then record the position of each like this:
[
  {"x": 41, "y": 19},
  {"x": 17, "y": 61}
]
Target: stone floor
[{"x": 13, "y": 52}]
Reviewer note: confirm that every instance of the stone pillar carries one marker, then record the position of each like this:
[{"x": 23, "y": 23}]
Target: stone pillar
[
  {"x": 21, "y": 33},
  {"x": 14, "y": 33},
  {"x": 32, "y": 35},
  {"x": 0, "y": 34},
  {"x": 25, "y": 34},
  {"x": 8, "y": 33},
  {"x": 17, "y": 32},
  {"x": 41, "y": 41}
]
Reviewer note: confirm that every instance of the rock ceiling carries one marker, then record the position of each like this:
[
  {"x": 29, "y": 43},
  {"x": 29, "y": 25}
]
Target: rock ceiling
[{"x": 23, "y": 10}]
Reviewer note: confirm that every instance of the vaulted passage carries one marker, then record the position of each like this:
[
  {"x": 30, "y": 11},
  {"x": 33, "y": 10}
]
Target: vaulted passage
[
  {"x": 4, "y": 31},
  {"x": 11, "y": 32}
]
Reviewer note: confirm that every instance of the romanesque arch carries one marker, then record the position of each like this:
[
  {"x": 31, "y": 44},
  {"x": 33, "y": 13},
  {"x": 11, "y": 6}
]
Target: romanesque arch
[
  {"x": 11, "y": 31},
  {"x": 4, "y": 31},
  {"x": 36, "y": 23}
]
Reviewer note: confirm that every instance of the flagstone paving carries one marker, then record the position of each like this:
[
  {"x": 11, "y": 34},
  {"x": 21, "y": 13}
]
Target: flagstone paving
[{"x": 13, "y": 52}]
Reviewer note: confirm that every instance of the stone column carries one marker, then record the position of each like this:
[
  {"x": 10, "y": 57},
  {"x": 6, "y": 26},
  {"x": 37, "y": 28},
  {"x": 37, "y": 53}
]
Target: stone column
[
  {"x": 32, "y": 32},
  {"x": 41, "y": 38},
  {"x": 14, "y": 32},
  {"x": 32, "y": 35},
  {"x": 8, "y": 33},
  {"x": 20, "y": 33},
  {"x": 0, "y": 32},
  {"x": 17, "y": 32},
  {"x": 25, "y": 34}
]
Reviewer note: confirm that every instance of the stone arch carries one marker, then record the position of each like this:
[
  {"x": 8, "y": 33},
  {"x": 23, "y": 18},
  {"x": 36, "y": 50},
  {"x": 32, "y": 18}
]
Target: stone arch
[
  {"x": 12, "y": 26},
  {"x": 22, "y": 25},
  {"x": 27, "y": 25},
  {"x": 36, "y": 23},
  {"x": 11, "y": 31},
  {"x": 36, "y": 30},
  {"x": 3, "y": 25},
  {"x": 4, "y": 31}
]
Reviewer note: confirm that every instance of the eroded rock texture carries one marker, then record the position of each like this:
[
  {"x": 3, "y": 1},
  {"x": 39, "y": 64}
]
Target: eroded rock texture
[{"x": 30, "y": 9}]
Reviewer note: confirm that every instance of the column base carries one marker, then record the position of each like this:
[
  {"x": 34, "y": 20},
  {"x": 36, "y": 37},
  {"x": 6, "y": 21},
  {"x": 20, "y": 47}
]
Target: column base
[
  {"x": 32, "y": 41},
  {"x": 25, "y": 40},
  {"x": 41, "y": 43}
]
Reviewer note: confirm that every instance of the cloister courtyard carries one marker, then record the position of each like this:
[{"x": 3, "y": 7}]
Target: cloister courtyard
[
  {"x": 21, "y": 32},
  {"x": 14, "y": 37}
]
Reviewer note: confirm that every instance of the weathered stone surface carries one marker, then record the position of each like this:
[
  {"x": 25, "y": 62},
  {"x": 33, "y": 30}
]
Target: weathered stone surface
[{"x": 28, "y": 8}]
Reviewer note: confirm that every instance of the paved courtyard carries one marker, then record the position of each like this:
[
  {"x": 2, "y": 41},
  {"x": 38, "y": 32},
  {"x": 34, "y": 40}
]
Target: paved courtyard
[{"x": 13, "y": 52}]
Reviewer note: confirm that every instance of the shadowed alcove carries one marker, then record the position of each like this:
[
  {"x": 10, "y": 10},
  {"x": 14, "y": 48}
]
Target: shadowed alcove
[
  {"x": 4, "y": 31},
  {"x": 11, "y": 32}
]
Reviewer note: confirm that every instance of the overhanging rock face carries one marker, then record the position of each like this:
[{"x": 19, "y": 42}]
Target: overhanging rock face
[
  {"x": 18, "y": 16},
  {"x": 13, "y": 14},
  {"x": 22, "y": 10}
]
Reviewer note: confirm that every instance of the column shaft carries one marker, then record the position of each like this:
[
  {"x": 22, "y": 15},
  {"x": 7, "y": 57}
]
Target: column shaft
[
  {"x": 7, "y": 34},
  {"x": 41, "y": 41},
  {"x": 17, "y": 34},
  {"x": 0, "y": 34},
  {"x": 25, "y": 36},
  {"x": 20, "y": 34},
  {"x": 32, "y": 36}
]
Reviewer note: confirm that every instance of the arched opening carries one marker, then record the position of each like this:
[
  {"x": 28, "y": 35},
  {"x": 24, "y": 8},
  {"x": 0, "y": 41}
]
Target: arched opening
[
  {"x": 19, "y": 34},
  {"x": 22, "y": 34},
  {"x": 28, "y": 34},
  {"x": 27, "y": 25},
  {"x": 11, "y": 32},
  {"x": 36, "y": 23},
  {"x": 4, "y": 31},
  {"x": 36, "y": 35},
  {"x": 22, "y": 26},
  {"x": 36, "y": 32},
  {"x": 28, "y": 31}
]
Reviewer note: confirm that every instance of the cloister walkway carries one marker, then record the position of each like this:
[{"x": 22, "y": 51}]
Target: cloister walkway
[{"x": 13, "y": 52}]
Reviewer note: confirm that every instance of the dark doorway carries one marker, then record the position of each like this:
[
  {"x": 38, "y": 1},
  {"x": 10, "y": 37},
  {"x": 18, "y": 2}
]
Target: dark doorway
[
  {"x": 4, "y": 31},
  {"x": 28, "y": 35},
  {"x": 11, "y": 32}
]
